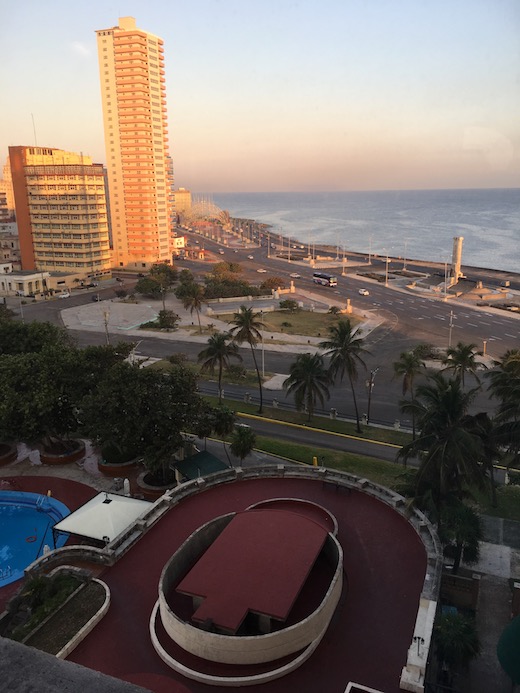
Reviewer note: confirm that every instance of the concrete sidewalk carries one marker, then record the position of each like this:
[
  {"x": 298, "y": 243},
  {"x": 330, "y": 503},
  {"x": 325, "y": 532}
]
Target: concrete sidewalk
[{"x": 118, "y": 317}]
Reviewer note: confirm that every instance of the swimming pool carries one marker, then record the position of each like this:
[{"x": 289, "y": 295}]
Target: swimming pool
[{"x": 26, "y": 522}]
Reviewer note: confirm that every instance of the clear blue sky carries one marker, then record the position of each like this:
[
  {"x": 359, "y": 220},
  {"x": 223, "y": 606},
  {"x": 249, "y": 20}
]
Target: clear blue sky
[{"x": 268, "y": 95}]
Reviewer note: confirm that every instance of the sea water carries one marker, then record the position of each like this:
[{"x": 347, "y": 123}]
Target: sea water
[{"x": 415, "y": 224}]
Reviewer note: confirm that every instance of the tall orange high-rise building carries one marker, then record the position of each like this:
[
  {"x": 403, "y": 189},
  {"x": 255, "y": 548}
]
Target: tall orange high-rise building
[{"x": 133, "y": 94}]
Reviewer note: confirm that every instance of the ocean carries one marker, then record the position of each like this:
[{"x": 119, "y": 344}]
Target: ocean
[{"x": 416, "y": 224}]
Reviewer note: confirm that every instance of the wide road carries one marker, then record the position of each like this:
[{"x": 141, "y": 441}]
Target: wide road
[{"x": 409, "y": 319}]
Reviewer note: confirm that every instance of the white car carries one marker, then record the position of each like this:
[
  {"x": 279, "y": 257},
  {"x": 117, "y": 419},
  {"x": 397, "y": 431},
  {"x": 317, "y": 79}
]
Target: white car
[
  {"x": 262, "y": 271},
  {"x": 221, "y": 251},
  {"x": 295, "y": 275},
  {"x": 250, "y": 257},
  {"x": 364, "y": 292},
  {"x": 64, "y": 294}
]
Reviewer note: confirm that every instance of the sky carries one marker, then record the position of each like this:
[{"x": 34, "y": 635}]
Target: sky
[{"x": 286, "y": 95}]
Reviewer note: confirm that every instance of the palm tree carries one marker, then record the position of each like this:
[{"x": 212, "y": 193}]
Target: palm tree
[
  {"x": 192, "y": 296},
  {"x": 308, "y": 382},
  {"x": 224, "y": 420},
  {"x": 409, "y": 365},
  {"x": 218, "y": 354},
  {"x": 460, "y": 533},
  {"x": 505, "y": 386},
  {"x": 247, "y": 329},
  {"x": 461, "y": 359},
  {"x": 242, "y": 442},
  {"x": 449, "y": 448},
  {"x": 456, "y": 640},
  {"x": 345, "y": 349}
]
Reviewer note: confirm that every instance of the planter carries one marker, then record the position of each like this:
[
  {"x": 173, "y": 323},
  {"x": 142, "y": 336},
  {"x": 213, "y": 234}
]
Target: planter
[
  {"x": 151, "y": 491},
  {"x": 8, "y": 453},
  {"x": 54, "y": 457},
  {"x": 117, "y": 469}
]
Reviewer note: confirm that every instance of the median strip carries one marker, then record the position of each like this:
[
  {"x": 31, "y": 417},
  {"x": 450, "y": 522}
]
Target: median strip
[{"x": 317, "y": 430}]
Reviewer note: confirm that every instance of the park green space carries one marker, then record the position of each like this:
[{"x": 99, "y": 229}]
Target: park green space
[{"x": 301, "y": 322}]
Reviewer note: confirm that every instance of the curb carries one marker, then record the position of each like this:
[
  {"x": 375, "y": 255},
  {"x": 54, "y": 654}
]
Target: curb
[{"x": 318, "y": 430}]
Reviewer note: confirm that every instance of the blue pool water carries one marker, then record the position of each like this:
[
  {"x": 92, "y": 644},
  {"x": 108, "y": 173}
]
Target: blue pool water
[{"x": 26, "y": 522}]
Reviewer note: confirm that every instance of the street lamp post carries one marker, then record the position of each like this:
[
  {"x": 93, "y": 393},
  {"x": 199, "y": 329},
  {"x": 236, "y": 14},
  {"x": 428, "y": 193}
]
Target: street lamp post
[
  {"x": 262, "y": 333},
  {"x": 450, "y": 329},
  {"x": 404, "y": 259},
  {"x": 370, "y": 386}
]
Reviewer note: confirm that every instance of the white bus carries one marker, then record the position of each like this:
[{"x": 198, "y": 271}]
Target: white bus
[{"x": 324, "y": 279}]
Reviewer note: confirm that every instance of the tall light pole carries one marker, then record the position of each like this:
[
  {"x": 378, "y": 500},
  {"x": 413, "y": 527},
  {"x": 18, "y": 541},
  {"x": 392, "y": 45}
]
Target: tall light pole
[
  {"x": 450, "y": 329},
  {"x": 370, "y": 385},
  {"x": 386, "y": 267},
  {"x": 404, "y": 259},
  {"x": 289, "y": 249},
  {"x": 370, "y": 250},
  {"x": 262, "y": 333},
  {"x": 268, "y": 245}
]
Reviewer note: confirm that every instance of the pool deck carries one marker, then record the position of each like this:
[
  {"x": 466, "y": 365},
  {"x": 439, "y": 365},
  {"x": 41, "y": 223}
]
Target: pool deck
[{"x": 367, "y": 640}]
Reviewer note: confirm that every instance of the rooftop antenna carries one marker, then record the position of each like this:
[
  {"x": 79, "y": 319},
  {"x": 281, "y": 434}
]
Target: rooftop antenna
[{"x": 34, "y": 131}]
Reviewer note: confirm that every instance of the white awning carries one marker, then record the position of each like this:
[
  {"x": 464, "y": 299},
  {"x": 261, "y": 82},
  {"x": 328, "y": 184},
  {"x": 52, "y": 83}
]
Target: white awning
[{"x": 104, "y": 517}]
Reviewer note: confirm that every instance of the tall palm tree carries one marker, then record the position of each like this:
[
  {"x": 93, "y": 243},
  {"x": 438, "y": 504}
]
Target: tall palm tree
[
  {"x": 504, "y": 385},
  {"x": 243, "y": 442},
  {"x": 224, "y": 420},
  {"x": 410, "y": 364},
  {"x": 461, "y": 359},
  {"x": 218, "y": 354},
  {"x": 192, "y": 296},
  {"x": 308, "y": 382},
  {"x": 449, "y": 448},
  {"x": 345, "y": 348},
  {"x": 247, "y": 328}
]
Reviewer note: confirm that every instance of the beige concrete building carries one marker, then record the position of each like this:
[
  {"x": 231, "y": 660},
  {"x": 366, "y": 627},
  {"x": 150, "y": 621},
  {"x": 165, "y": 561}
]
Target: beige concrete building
[
  {"x": 133, "y": 95},
  {"x": 6, "y": 190},
  {"x": 61, "y": 211},
  {"x": 182, "y": 199}
]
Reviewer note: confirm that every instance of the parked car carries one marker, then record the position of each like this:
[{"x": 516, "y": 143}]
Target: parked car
[
  {"x": 261, "y": 270},
  {"x": 364, "y": 292},
  {"x": 95, "y": 298},
  {"x": 91, "y": 285},
  {"x": 295, "y": 275},
  {"x": 140, "y": 275},
  {"x": 64, "y": 294},
  {"x": 250, "y": 257},
  {"x": 221, "y": 251}
]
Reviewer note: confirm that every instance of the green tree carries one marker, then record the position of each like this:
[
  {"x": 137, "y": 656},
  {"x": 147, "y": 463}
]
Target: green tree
[
  {"x": 192, "y": 297},
  {"x": 345, "y": 349},
  {"x": 246, "y": 328},
  {"x": 243, "y": 441},
  {"x": 409, "y": 365},
  {"x": 448, "y": 447},
  {"x": 165, "y": 276},
  {"x": 456, "y": 640},
  {"x": 290, "y": 305},
  {"x": 186, "y": 276},
  {"x": 460, "y": 532},
  {"x": 308, "y": 382},
  {"x": 461, "y": 359},
  {"x": 504, "y": 385},
  {"x": 168, "y": 319},
  {"x": 21, "y": 338},
  {"x": 218, "y": 354},
  {"x": 271, "y": 284},
  {"x": 224, "y": 420},
  {"x": 147, "y": 286}
]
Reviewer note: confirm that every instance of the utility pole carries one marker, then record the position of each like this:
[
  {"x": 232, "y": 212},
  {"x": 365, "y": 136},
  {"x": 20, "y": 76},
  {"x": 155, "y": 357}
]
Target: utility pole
[
  {"x": 370, "y": 385},
  {"x": 450, "y": 329}
]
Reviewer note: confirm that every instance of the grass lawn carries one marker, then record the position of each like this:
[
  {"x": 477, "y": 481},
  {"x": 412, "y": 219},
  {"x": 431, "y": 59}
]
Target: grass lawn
[
  {"x": 381, "y": 472},
  {"x": 302, "y": 322},
  {"x": 508, "y": 507},
  {"x": 344, "y": 427},
  {"x": 247, "y": 378}
]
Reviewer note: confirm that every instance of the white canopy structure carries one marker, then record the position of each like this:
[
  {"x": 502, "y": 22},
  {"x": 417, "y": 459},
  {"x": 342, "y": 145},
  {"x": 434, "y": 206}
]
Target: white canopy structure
[{"x": 103, "y": 517}]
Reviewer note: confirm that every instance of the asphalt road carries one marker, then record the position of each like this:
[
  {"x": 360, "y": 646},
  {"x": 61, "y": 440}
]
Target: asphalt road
[{"x": 409, "y": 320}]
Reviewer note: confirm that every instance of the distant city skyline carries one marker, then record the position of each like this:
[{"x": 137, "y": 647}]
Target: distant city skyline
[{"x": 275, "y": 96}]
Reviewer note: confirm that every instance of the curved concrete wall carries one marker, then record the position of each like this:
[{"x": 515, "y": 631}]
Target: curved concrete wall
[{"x": 248, "y": 649}]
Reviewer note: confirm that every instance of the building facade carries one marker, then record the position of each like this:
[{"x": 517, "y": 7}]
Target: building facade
[
  {"x": 133, "y": 95},
  {"x": 61, "y": 211}
]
